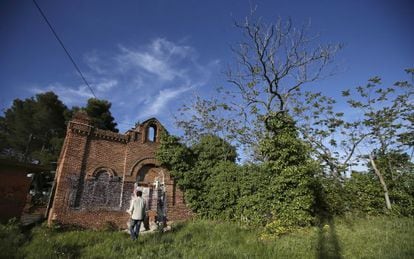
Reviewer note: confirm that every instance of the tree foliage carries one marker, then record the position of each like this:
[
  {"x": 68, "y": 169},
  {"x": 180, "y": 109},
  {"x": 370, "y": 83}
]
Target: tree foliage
[
  {"x": 384, "y": 110},
  {"x": 379, "y": 133},
  {"x": 34, "y": 128},
  {"x": 398, "y": 172},
  {"x": 100, "y": 114},
  {"x": 364, "y": 194},
  {"x": 292, "y": 183},
  {"x": 282, "y": 189},
  {"x": 334, "y": 140},
  {"x": 192, "y": 166}
]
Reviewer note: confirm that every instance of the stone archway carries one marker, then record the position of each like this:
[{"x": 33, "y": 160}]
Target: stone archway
[
  {"x": 133, "y": 173},
  {"x": 150, "y": 180},
  {"x": 148, "y": 174}
]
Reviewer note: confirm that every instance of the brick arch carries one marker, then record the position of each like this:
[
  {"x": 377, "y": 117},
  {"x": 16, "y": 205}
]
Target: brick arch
[
  {"x": 151, "y": 127},
  {"x": 140, "y": 164},
  {"x": 145, "y": 128},
  {"x": 100, "y": 169}
]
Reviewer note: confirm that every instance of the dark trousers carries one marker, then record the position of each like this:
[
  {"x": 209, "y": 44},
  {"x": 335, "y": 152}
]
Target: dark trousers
[{"x": 134, "y": 228}]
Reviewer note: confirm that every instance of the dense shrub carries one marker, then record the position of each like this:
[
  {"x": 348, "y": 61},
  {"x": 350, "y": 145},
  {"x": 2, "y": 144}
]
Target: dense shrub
[
  {"x": 193, "y": 167},
  {"x": 293, "y": 174},
  {"x": 364, "y": 194},
  {"x": 255, "y": 200},
  {"x": 332, "y": 196},
  {"x": 402, "y": 195},
  {"x": 11, "y": 240},
  {"x": 222, "y": 191},
  {"x": 398, "y": 172}
]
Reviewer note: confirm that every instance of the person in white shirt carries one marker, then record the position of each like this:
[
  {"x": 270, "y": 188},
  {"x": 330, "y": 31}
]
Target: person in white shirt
[{"x": 137, "y": 212}]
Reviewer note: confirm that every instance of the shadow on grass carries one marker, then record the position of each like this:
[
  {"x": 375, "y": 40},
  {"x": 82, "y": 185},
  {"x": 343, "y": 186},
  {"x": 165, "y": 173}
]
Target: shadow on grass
[{"x": 328, "y": 243}]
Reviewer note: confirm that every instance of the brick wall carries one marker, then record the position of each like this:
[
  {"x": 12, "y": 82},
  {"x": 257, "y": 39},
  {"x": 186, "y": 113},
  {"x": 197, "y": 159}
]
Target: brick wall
[
  {"x": 97, "y": 170},
  {"x": 14, "y": 188}
]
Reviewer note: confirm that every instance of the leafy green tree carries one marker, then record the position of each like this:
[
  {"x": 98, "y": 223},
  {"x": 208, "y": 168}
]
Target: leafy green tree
[
  {"x": 363, "y": 194},
  {"x": 208, "y": 152},
  {"x": 100, "y": 114},
  {"x": 222, "y": 191},
  {"x": 33, "y": 129},
  {"x": 292, "y": 184},
  {"x": 211, "y": 149},
  {"x": 333, "y": 138},
  {"x": 255, "y": 201},
  {"x": 176, "y": 157},
  {"x": 332, "y": 199},
  {"x": 384, "y": 125},
  {"x": 4, "y": 145},
  {"x": 383, "y": 121},
  {"x": 398, "y": 172},
  {"x": 407, "y": 138},
  {"x": 192, "y": 167}
]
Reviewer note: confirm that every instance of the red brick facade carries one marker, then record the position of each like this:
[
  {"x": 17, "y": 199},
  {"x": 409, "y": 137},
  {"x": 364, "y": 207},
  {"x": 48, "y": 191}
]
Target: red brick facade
[{"x": 97, "y": 171}]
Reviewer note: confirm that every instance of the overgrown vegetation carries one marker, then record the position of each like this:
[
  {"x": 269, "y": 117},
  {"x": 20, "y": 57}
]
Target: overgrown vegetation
[
  {"x": 302, "y": 149},
  {"x": 373, "y": 237},
  {"x": 288, "y": 190}
]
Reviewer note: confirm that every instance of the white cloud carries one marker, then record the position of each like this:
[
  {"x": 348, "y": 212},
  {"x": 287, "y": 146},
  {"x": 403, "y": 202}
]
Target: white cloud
[
  {"x": 68, "y": 95},
  {"x": 168, "y": 50},
  {"x": 95, "y": 63},
  {"x": 161, "y": 101},
  {"x": 161, "y": 58},
  {"x": 106, "y": 85},
  {"x": 140, "y": 81}
]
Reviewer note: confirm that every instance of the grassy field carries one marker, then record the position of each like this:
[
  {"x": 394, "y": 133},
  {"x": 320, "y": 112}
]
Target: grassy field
[{"x": 357, "y": 238}]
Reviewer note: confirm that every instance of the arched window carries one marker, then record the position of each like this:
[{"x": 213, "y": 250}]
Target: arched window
[
  {"x": 100, "y": 190},
  {"x": 152, "y": 133}
]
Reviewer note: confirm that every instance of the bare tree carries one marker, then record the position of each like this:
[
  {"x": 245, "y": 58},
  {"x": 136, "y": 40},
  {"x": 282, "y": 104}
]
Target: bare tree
[{"x": 273, "y": 62}]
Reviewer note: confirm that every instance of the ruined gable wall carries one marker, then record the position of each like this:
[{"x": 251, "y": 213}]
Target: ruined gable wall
[
  {"x": 68, "y": 172},
  {"x": 86, "y": 152},
  {"x": 97, "y": 172}
]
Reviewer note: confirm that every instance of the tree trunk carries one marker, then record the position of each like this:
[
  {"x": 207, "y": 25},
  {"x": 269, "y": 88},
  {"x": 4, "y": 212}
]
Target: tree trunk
[{"x": 384, "y": 185}]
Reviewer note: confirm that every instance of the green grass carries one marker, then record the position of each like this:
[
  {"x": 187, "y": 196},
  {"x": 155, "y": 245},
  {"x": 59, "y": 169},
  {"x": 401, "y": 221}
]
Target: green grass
[{"x": 357, "y": 238}]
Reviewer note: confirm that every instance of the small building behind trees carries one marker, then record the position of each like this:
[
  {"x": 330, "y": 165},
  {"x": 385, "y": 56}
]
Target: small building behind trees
[{"x": 15, "y": 182}]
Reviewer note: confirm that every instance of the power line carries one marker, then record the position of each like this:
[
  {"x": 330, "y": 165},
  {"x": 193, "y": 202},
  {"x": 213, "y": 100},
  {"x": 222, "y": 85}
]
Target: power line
[{"x": 64, "y": 48}]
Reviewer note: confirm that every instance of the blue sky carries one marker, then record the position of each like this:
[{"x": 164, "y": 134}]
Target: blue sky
[{"x": 149, "y": 57}]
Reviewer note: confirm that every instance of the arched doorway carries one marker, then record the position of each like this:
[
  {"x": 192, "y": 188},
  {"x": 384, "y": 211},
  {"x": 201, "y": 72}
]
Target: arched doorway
[{"x": 151, "y": 181}]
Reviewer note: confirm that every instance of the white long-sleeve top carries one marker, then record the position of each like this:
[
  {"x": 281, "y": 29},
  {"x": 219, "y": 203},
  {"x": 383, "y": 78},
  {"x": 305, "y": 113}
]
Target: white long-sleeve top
[{"x": 137, "y": 208}]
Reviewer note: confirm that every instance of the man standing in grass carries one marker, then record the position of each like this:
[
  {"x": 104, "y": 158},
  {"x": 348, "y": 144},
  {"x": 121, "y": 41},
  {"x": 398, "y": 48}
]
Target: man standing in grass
[{"x": 137, "y": 212}]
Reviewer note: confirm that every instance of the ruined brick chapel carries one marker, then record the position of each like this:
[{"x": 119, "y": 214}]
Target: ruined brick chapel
[{"x": 98, "y": 171}]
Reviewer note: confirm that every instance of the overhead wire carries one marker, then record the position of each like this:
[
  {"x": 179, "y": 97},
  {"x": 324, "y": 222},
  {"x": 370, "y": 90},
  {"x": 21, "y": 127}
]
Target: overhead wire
[{"x": 64, "y": 48}]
